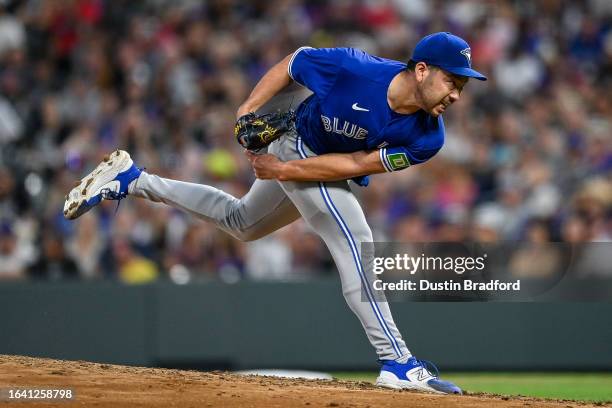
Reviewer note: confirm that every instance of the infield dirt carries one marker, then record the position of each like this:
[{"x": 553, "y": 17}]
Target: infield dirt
[{"x": 106, "y": 385}]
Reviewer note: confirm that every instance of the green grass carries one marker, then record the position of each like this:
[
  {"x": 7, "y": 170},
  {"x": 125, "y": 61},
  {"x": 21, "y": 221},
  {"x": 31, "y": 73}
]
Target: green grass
[{"x": 596, "y": 387}]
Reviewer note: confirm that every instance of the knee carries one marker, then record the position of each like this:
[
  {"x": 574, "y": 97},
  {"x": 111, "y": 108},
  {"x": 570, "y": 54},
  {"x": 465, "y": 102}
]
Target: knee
[{"x": 234, "y": 224}]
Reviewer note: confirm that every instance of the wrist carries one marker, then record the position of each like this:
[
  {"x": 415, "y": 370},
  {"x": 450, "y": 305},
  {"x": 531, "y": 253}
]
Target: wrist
[
  {"x": 281, "y": 171},
  {"x": 243, "y": 110}
]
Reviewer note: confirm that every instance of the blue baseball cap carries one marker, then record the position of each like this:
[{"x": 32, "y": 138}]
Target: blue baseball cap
[{"x": 447, "y": 51}]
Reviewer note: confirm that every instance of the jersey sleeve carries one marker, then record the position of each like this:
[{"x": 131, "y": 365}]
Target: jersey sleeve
[
  {"x": 316, "y": 68},
  {"x": 418, "y": 151}
]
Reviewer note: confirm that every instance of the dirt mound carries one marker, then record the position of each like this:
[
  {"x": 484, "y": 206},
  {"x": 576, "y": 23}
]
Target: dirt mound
[{"x": 105, "y": 385}]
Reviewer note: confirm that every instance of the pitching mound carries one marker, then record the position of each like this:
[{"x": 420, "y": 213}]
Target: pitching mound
[{"x": 105, "y": 385}]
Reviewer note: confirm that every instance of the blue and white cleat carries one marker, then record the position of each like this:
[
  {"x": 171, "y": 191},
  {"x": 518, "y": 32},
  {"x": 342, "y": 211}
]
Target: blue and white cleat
[
  {"x": 108, "y": 181},
  {"x": 414, "y": 375}
]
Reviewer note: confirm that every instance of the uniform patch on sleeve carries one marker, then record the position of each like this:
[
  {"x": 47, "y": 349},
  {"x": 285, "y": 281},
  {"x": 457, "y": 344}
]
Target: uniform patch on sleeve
[{"x": 398, "y": 161}]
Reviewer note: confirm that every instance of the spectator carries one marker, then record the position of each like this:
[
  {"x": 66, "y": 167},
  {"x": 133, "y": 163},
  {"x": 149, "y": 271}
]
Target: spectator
[
  {"x": 14, "y": 258},
  {"x": 53, "y": 262},
  {"x": 536, "y": 258},
  {"x": 85, "y": 246},
  {"x": 132, "y": 267}
]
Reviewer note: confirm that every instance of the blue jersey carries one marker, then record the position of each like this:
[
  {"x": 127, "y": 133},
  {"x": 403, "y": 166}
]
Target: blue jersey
[{"x": 348, "y": 110}]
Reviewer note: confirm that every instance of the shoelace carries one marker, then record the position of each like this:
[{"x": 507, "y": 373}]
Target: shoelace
[
  {"x": 430, "y": 367},
  {"x": 109, "y": 194}
]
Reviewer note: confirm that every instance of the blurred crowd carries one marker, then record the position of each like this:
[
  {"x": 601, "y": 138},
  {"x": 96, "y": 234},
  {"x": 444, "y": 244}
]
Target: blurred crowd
[{"x": 528, "y": 154}]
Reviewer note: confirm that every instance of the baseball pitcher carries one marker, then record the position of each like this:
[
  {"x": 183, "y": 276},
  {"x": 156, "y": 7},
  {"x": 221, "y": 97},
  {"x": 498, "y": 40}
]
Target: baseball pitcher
[{"x": 366, "y": 115}]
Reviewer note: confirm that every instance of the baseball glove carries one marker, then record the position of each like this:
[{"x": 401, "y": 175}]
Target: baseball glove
[{"x": 254, "y": 132}]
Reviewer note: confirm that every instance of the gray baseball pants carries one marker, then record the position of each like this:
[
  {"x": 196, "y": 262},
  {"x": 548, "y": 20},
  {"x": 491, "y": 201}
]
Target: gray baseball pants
[{"x": 329, "y": 208}]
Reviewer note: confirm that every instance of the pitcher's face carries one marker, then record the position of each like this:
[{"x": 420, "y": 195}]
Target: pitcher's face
[{"x": 438, "y": 89}]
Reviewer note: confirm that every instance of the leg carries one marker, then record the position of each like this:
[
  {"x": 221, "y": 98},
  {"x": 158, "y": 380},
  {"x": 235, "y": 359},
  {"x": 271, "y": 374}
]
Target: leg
[
  {"x": 264, "y": 209},
  {"x": 334, "y": 213}
]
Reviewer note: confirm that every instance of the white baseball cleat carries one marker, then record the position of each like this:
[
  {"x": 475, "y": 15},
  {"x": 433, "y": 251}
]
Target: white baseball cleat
[
  {"x": 108, "y": 181},
  {"x": 414, "y": 375}
]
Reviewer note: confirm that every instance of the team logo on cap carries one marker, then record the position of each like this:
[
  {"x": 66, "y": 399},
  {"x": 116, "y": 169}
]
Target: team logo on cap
[{"x": 467, "y": 53}]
